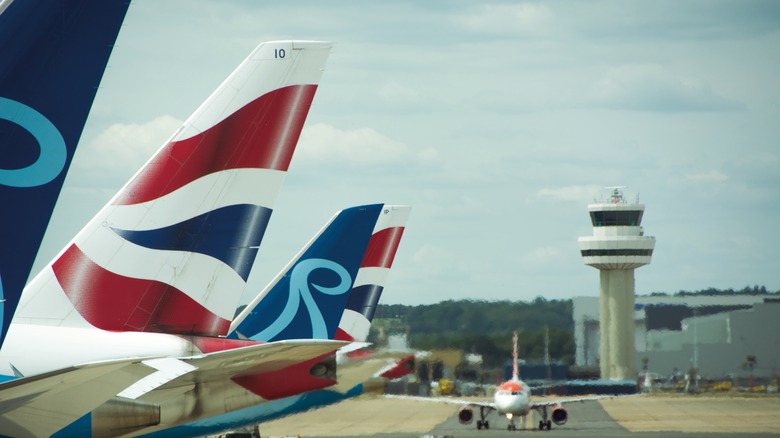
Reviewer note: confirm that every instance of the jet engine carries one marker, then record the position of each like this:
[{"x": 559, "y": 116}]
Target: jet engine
[
  {"x": 559, "y": 415},
  {"x": 466, "y": 415},
  {"x": 122, "y": 414}
]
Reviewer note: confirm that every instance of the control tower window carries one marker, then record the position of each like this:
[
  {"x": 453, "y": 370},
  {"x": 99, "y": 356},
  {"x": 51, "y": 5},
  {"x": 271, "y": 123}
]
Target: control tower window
[
  {"x": 616, "y": 252},
  {"x": 616, "y": 218}
]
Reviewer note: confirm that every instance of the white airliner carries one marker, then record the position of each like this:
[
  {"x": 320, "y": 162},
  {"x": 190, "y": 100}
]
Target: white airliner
[{"x": 511, "y": 399}]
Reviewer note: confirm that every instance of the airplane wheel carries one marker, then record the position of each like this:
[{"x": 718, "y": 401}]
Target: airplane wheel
[
  {"x": 487, "y": 425},
  {"x": 541, "y": 425},
  {"x": 549, "y": 424},
  {"x": 479, "y": 424}
]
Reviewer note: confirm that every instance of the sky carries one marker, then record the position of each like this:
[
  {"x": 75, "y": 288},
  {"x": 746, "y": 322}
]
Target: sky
[{"x": 498, "y": 122}]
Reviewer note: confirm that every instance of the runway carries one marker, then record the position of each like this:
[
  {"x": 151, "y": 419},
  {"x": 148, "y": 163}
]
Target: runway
[{"x": 645, "y": 416}]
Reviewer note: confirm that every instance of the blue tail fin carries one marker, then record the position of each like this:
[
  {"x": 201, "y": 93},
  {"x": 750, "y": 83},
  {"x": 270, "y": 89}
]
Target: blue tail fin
[
  {"x": 307, "y": 299},
  {"x": 52, "y": 57}
]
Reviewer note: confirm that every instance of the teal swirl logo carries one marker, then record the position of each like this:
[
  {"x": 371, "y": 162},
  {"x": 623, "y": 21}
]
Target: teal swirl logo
[
  {"x": 53, "y": 154},
  {"x": 299, "y": 290}
]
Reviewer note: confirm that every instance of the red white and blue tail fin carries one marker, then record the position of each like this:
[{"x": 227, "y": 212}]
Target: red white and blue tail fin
[
  {"x": 373, "y": 273},
  {"x": 52, "y": 57},
  {"x": 171, "y": 252}
]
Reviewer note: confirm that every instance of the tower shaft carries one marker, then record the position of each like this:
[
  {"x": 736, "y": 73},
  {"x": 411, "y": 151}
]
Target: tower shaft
[{"x": 617, "y": 328}]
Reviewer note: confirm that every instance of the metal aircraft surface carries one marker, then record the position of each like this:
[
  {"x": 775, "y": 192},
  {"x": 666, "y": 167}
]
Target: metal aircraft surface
[
  {"x": 329, "y": 290},
  {"x": 150, "y": 284}
]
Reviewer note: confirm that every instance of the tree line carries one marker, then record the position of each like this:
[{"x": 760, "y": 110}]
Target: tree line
[{"x": 485, "y": 327}]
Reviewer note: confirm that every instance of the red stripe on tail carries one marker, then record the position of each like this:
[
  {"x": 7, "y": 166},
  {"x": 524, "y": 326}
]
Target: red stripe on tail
[
  {"x": 262, "y": 135},
  {"x": 110, "y": 301},
  {"x": 382, "y": 247}
]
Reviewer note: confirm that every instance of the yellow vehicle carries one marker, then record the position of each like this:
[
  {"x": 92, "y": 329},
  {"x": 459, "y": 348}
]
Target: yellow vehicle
[{"x": 446, "y": 386}]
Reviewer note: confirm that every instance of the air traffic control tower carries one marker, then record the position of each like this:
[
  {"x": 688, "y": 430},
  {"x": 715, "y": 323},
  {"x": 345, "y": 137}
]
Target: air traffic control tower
[{"x": 617, "y": 247}]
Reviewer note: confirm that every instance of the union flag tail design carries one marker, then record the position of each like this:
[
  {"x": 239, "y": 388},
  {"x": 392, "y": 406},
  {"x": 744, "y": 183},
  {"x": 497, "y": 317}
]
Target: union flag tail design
[
  {"x": 171, "y": 252},
  {"x": 52, "y": 57}
]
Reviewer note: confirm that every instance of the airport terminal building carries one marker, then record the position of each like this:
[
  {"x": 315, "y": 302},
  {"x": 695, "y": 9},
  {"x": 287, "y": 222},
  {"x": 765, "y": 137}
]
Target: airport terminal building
[{"x": 716, "y": 334}]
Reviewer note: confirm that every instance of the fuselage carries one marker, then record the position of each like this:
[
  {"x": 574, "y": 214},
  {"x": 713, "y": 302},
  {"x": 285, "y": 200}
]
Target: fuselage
[
  {"x": 512, "y": 398},
  {"x": 34, "y": 349}
]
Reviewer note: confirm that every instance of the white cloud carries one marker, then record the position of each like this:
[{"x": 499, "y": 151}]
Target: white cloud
[
  {"x": 128, "y": 146},
  {"x": 360, "y": 146}
]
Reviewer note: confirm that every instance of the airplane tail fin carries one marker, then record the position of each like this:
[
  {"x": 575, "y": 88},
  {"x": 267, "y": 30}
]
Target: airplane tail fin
[
  {"x": 515, "y": 365},
  {"x": 373, "y": 273},
  {"x": 52, "y": 57},
  {"x": 307, "y": 298},
  {"x": 171, "y": 252}
]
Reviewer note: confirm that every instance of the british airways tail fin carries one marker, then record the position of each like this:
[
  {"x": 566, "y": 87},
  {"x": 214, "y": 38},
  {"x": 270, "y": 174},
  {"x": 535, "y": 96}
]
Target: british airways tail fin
[
  {"x": 171, "y": 252},
  {"x": 52, "y": 57},
  {"x": 373, "y": 273},
  {"x": 343, "y": 266}
]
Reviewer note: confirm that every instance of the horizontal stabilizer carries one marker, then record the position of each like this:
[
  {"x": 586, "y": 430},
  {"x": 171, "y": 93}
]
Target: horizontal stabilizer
[
  {"x": 42, "y": 404},
  {"x": 251, "y": 360}
]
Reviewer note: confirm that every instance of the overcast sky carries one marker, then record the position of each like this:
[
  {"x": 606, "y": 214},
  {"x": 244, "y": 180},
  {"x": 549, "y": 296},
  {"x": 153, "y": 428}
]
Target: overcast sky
[{"x": 498, "y": 122}]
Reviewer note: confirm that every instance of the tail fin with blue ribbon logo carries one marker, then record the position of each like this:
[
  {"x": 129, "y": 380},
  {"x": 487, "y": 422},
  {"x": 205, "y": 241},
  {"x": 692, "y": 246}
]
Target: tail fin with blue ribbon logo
[
  {"x": 52, "y": 58},
  {"x": 172, "y": 251},
  {"x": 344, "y": 266}
]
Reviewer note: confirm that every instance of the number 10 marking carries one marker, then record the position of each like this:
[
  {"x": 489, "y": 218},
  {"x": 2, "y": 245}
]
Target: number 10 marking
[{"x": 279, "y": 53}]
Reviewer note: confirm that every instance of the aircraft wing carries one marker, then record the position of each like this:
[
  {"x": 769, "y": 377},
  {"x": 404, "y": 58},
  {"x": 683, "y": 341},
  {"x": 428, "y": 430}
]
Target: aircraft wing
[
  {"x": 228, "y": 364},
  {"x": 543, "y": 404},
  {"x": 453, "y": 401},
  {"x": 41, "y": 405}
]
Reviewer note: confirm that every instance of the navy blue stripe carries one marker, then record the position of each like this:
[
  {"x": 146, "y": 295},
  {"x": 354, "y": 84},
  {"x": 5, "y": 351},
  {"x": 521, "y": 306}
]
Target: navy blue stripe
[
  {"x": 364, "y": 299},
  {"x": 230, "y": 234}
]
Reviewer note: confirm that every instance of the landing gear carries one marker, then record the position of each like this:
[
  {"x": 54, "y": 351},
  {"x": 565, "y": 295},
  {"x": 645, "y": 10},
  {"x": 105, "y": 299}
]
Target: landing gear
[
  {"x": 511, "y": 426},
  {"x": 482, "y": 422},
  {"x": 544, "y": 423}
]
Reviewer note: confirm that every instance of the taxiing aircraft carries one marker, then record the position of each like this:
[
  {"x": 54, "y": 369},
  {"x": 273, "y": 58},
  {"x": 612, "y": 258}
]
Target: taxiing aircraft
[
  {"x": 350, "y": 255},
  {"x": 150, "y": 284},
  {"x": 511, "y": 399},
  {"x": 52, "y": 58}
]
